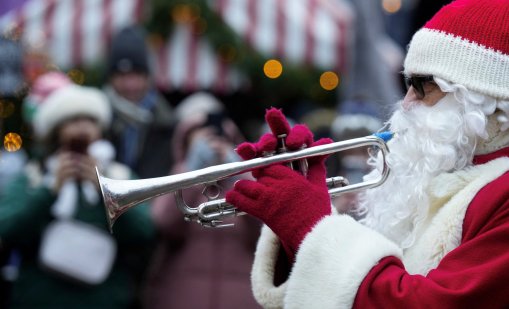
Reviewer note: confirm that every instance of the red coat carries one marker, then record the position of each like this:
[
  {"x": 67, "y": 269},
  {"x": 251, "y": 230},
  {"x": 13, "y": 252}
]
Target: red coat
[
  {"x": 471, "y": 276},
  {"x": 460, "y": 258}
]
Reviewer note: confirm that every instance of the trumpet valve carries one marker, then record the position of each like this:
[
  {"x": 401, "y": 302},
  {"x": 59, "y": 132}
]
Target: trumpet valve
[
  {"x": 215, "y": 224},
  {"x": 337, "y": 182}
]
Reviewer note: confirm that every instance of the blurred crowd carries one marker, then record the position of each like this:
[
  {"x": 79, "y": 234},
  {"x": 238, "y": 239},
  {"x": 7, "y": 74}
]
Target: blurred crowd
[{"x": 56, "y": 250}]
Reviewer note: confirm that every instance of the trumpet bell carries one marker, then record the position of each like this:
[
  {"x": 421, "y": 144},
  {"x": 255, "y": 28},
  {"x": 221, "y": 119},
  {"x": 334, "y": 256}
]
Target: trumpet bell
[{"x": 114, "y": 204}]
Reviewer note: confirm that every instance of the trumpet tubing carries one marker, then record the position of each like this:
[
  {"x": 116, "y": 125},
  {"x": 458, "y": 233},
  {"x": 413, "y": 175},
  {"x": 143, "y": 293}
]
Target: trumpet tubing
[{"x": 121, "y": 195}]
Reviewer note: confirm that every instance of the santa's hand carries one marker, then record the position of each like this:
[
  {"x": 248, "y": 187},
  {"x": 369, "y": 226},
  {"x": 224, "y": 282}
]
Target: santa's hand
[
  {"x": 294, "y": 137},
  {"x": 290, "y": 203}
]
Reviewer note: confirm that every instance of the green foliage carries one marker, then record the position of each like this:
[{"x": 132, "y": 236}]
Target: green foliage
[{"x": 297, "y": 82}]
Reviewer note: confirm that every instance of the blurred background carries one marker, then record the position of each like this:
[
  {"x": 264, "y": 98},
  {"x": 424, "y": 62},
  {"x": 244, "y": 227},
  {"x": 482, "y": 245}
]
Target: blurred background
[{"x": 299, "y": 55}]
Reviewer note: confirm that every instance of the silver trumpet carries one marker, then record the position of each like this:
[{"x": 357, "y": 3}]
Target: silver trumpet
[{"x": 120, "y": 195}]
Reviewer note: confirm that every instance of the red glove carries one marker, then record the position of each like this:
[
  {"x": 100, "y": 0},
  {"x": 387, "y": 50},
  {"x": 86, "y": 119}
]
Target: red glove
[
  {"x": 288, "y": 202},
  {"x": 295, "y": 137}
]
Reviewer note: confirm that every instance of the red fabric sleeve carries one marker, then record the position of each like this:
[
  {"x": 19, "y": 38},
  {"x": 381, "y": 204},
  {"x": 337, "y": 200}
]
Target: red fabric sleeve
[{"x": 474, "y": 275}]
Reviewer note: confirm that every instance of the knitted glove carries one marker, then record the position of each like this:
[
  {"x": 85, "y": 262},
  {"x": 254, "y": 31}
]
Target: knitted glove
[
  {"x": 296, "y": 137},
  {"x": 288, "y": 202}
]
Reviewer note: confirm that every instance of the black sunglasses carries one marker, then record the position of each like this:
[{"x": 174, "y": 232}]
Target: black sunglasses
[{"x": 418, "y": 82}]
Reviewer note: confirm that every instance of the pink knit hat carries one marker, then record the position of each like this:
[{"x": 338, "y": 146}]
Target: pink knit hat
[
  {"x": 45, "y": 84},
  {"x": 41, "y": 88},
  {"x": 466, "y": 42}
]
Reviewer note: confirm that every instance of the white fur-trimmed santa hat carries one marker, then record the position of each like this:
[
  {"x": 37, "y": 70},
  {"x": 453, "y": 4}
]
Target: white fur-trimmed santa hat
[
  {"x": 466, "y": 42},
  {"x": 68, "y": 102}
]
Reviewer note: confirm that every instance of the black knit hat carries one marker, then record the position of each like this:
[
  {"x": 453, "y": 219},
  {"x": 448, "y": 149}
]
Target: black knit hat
[{"x": 128, "y": 52}]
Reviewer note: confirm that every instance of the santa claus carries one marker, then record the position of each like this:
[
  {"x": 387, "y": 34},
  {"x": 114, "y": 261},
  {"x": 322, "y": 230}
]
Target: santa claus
[{"x": 436, "y": 233}]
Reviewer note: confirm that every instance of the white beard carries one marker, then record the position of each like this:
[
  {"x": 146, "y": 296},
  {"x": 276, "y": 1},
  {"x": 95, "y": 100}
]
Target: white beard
[{"x": 428, "y": 141}]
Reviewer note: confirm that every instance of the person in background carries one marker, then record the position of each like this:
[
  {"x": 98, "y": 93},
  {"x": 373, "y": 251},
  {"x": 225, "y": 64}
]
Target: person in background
[
  {"x": 53, "y": 215},
  {"x": 195, "y": 266},
  {"x": 375, "y": 60},
  {"x": 142, "y": 119},
  {"x": 356, "y": 118},
  {"x": 435, "y": 234}
]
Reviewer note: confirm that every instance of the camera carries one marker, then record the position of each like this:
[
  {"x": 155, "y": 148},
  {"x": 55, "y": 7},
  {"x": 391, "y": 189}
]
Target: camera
[
  {"x": 78, "y": 145},
  {"x": 215, "y": 120}
]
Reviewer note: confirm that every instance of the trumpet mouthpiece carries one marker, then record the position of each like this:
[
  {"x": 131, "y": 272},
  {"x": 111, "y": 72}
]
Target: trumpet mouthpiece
[{"x": 385, "y": 136}]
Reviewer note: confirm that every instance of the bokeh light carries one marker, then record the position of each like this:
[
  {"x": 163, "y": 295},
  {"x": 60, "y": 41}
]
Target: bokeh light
[
  {"x": 6, "y": 108},
  {"x": 329, "y": 80},
  {"x": 272, "y": 68},
  {"x": 12, "y": 142},
  {"x": 76, "y": 76},
  {"x": 391, "y": 6}
]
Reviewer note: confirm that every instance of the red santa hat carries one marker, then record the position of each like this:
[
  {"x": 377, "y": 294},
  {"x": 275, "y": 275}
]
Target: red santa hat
[{"x": 466, "y": 42}]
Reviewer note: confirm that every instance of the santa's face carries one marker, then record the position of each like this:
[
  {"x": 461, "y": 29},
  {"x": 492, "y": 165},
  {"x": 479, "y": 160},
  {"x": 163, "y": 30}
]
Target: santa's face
[
  {"x": 422, "y": 90},
  {"x": 428, "y": 140}
]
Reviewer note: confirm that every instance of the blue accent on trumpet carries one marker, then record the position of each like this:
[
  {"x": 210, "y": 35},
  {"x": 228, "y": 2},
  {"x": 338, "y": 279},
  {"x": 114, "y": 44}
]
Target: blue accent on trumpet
[{"x": 386, "y": 135}]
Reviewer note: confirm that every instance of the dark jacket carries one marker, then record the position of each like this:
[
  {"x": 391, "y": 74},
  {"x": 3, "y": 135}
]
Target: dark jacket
[{"x": 152, "y": 156}]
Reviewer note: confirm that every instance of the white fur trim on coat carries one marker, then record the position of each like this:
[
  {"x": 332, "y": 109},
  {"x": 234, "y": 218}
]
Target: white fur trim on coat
[
  {"x": 264, "y": 267},
  {"x": 331, "y": 263},
  {"x": 338, "y": 253},
  {"x": 262, "y": 275},
  {"x": 450, "y": 193}
]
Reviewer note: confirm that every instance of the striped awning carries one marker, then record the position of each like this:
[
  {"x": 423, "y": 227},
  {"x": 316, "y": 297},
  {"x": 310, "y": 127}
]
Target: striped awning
[
  {"x": 78, "y": 32},
  {"x": 73, "y": 32},
  {"x": 313, "y": 32}
]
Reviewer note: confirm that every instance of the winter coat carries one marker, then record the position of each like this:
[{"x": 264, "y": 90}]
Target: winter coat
[
  {"x": 24, "y": 215},
  {"x": 152, "y": 153},
  {"x": 195, "y": 266},
  {"x": 459, "y": 260}
]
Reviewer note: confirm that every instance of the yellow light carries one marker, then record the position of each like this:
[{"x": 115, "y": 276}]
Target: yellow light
[
  {"x": 76, "y": 76},
  {"x": 12, "y": 142},
  {"x": 329, "y": 80},
  {"x": 391, "y": 6},
  {"x": 272, "y": 68}
]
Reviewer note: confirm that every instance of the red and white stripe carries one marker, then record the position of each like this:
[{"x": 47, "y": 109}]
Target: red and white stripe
[
  {"x": 78, "y": 32},
  {"x": 187, "y": 62},
  {"x": 313, "y": 32},
  {"x": 73, "y": 32}
]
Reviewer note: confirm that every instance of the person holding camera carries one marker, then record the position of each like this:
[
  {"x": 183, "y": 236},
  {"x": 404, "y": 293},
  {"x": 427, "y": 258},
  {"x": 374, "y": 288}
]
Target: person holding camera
[
  {"x": 195, "y": 266},
  {"x": 53, "y": 214}
]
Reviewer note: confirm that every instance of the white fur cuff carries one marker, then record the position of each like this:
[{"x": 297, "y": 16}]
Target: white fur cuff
[
  {"x": 262, "y": 274},
  {"x": 332, "y": 262}
]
